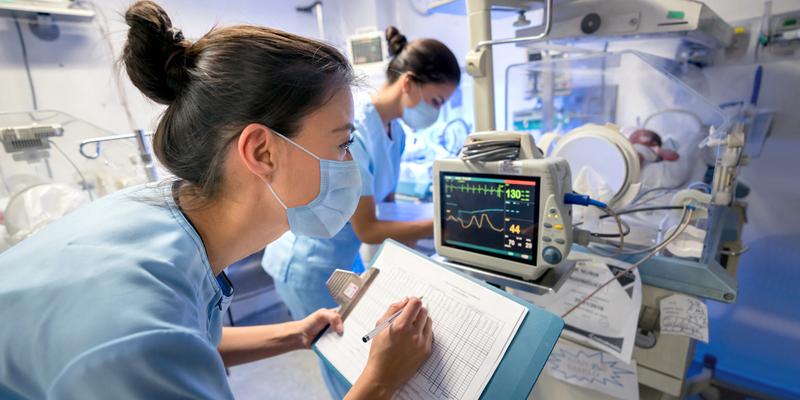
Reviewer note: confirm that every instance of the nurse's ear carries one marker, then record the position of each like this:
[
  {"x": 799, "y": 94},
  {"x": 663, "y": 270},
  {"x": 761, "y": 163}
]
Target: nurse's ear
[
  {"x": 410, "y": 89},
  {"x": 257, "y": 148}
]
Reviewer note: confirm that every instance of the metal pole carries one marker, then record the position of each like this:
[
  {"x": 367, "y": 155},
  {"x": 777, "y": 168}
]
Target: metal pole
[
  {"x": 146, "y": 154},
  {"x": 480, "y": 30}
]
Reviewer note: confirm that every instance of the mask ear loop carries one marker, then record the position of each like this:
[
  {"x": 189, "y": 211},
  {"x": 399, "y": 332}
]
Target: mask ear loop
[
  {"x": 269, "y": 186},
  {"x": 282, "y": 136}
]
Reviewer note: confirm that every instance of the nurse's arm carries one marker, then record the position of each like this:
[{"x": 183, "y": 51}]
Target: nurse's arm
[
  {"x": 371, "y": 230},
  {"x": 245, "y": 344}
]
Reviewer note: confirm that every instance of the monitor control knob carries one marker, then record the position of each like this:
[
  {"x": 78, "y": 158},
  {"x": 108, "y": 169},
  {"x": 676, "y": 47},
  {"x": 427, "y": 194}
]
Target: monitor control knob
[{"x": 551, "y": 255}]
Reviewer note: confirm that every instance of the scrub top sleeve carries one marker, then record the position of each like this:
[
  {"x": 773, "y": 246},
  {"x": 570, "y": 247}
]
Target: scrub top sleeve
[
  {"x": 362, "y": 158},
  {"x": 149, "y": 365}
]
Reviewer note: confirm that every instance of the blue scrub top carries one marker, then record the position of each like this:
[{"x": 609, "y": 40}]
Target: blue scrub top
[
  {"x": 305, "y": 262},
  {"x": 114, "y": 301}
]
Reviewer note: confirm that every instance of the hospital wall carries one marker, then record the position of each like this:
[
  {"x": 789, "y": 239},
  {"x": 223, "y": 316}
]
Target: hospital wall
[{"x": 756, "y": 339}]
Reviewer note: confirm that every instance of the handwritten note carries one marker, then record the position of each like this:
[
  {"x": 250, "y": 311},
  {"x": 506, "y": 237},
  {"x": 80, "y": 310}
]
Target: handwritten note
[
  {"x": 684, "y": 315},
  {"x": 593, "y": 369}
]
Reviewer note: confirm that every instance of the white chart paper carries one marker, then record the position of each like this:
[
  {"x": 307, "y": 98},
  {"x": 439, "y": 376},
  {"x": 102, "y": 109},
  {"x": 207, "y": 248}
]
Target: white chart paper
[{"x": 472, "y": 326}]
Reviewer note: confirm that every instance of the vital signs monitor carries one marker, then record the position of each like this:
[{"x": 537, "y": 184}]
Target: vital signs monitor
[{"x": 501, "y": 206}]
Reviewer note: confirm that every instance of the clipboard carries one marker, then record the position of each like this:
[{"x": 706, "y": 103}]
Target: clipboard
[{"x": 525, "y": 356}]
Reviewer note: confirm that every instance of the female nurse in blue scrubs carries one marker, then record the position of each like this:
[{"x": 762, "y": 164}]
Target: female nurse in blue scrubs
[
  {"x": 421, "y": 76},
  {"x": 123, "y": 298}
]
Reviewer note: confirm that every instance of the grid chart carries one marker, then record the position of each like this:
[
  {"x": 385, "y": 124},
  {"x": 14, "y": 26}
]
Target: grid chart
[{"x": 462, "y": 336}]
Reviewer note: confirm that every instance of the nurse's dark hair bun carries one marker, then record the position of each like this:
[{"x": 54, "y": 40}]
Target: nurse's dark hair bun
[
  {"x": 156, "y": 55},
  {"x": 427, "y": 60},
  {"x": 397, "y": 41},
  {"x": 217, "y": 85}
]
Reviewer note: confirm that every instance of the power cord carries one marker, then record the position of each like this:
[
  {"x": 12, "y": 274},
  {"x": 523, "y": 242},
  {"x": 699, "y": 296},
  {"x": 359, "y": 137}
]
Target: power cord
[{"x": 27, "y": 63}]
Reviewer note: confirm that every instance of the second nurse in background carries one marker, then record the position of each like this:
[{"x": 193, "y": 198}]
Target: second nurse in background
[{"x": 421, "y": 77}]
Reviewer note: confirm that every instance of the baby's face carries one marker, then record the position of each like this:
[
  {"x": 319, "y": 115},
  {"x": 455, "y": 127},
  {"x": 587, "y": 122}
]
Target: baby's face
[
  {"x": 648, "y": 145},
  {"x": 646, "y": 138}
]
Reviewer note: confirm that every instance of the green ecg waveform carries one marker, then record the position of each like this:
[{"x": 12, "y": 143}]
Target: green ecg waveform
[{"x": 485, "y": 190}]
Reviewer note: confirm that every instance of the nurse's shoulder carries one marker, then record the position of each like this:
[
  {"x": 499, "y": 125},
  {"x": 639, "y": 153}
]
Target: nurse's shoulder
[{"x": 107, "y": 282}]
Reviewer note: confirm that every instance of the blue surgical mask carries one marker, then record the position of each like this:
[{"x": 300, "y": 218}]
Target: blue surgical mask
[
  {"x": 421, "y": 116},
  {"x": 339, "y": 192}
]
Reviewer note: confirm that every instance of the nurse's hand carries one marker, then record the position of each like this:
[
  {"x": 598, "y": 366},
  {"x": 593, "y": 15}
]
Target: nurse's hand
[
  {"x": 310, "y": 326},
  {"x": 398, "y": 351}
]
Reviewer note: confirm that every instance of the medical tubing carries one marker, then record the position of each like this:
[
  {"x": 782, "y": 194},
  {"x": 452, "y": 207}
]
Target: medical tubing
[
  {"x": 611, "y": 212},
  {"x": 643, "y": 209},
  {"x": 603, "y": 235},
  {"x": 584, "y": 200},
  {"x": 685, "y": 220},
  {"x": 635, "y": 252},
  {"x": 85, "y": 183}
]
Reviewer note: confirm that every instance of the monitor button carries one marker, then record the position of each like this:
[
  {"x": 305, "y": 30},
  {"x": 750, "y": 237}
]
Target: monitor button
[{"x": 552, "y": 255}]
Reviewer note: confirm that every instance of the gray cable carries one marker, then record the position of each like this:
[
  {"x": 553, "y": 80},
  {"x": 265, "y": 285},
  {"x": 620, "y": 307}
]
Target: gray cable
[
  {"x": 27, "y": 64},
  {"x": 491, "y": 150}
]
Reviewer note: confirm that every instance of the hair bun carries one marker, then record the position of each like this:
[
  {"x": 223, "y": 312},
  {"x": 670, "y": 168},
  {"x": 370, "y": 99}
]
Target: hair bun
[
  {"x": 155, "y": 54},
  {"x": 397, "y": 41}
]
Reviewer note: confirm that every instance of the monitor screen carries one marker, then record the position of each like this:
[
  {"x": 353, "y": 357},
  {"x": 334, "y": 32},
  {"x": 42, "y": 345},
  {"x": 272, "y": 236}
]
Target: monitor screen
[
  {"x": 495, "y": 215},
  {"x": 367, "y": 50}
]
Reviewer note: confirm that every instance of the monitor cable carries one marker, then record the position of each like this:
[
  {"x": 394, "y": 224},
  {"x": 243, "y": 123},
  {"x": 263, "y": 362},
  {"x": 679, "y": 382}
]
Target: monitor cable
[
  {"x": 686, "y": 219},
  {"x": 490, "y": 150}
]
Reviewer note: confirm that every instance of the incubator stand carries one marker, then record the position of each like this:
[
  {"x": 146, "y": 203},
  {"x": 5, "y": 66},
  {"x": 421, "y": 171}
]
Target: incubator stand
[{"x": 43, "y": 178}]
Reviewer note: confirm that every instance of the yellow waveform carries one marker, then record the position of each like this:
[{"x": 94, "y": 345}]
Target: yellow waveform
[{"x": 474, "y": 220}]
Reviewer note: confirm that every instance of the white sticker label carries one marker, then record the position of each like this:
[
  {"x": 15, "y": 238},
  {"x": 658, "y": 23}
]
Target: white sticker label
[
  {"x": 508, "y": 167},
  {"x": 685, "y": 316},
  {"x": 351, "y": 290}
]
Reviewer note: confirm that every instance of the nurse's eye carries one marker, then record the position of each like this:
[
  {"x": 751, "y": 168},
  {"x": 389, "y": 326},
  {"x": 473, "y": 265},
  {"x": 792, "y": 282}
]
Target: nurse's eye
[{"x": 346, "y": 145}]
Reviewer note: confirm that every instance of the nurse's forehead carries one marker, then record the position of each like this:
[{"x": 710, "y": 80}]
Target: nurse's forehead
[
  {"x": 336, "y": 114},
  {"x": 442, "y": 90},
  {"x": 347, "y": 127}
]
